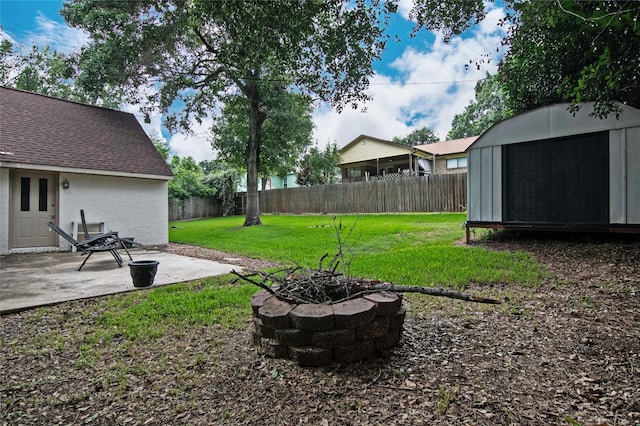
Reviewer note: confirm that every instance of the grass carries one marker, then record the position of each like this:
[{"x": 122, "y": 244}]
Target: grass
[
  {"x": 408, "y": 249},
  {"x": 148, "y": 315}
]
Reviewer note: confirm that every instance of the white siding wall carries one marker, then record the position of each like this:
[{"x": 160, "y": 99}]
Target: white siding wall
[
  {"x": 370, "y": 150},
  {"x": 4, "y": 211},
  {"x": 132, "y": 206}
]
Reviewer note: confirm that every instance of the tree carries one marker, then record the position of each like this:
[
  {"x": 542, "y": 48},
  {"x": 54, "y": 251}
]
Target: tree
[
  {"x": 418, "y": 137},
  {"x": 319, "y": 167},
  {"x": 162, "y": 147},
  {"x": 285, "y": 133},
  {"x": 224, "y": 183},
  {"x": 450, "y": 17},
  {"x": 187, "y": 179},
  {"x": 198, "y": 52},
  {"x": 561, "y": 51},
  {"x": 489, "y": 107},
  {"x": 49, "y": 73},
  {"x": 574, "y": 51}
]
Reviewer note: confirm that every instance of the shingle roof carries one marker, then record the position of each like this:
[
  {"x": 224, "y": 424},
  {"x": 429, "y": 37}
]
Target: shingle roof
[
  {"x": 454, "y": 146},
  {"x": 46, "y": 131}
]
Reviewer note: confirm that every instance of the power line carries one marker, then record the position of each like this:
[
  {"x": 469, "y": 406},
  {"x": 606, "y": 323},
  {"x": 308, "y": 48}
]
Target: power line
[{"x": 428, "y": 83}]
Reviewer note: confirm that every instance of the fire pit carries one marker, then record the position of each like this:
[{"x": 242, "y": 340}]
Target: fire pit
[
  {"x": 319, "y": 316},
  {"x": 320, "y": 334}
]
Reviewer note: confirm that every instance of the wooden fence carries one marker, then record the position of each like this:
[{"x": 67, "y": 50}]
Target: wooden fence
[
  {"x": 194, "y": 208},
  {"x": 439, "y": 193}
]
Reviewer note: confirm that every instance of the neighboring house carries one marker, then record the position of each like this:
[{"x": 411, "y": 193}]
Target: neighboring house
[
  {"x": 368, "y": 157},
  {"x": 274, "y": 182},
  {"x": 448, "y": 156},
  {"x": 58, "y": 157},
  {"x": 551, "y": 169}
]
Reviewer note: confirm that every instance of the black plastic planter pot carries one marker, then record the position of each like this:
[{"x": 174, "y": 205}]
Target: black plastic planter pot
[{"x": 143, "y": 272}]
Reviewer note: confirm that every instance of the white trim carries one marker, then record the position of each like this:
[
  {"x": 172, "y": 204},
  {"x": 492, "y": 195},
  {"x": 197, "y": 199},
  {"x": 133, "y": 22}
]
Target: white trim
[{"x": 40, "y": 167}]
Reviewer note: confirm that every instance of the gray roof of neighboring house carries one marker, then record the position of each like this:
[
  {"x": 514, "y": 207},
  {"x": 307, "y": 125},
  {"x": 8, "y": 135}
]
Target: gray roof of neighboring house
[
  {"x": 45, "y": 131},
  {"x": 454, "y": 146}
]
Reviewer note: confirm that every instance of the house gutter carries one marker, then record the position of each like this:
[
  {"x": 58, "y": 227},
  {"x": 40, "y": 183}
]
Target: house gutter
[{"x": 58, "y": 169}]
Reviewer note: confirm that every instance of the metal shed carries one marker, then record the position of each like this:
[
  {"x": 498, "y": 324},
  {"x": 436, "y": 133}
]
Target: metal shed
[{"x": 551, "y": 169}]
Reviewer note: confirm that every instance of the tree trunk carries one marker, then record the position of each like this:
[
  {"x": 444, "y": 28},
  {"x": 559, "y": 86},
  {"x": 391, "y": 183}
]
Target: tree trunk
[{"x": 253, "y": 154}]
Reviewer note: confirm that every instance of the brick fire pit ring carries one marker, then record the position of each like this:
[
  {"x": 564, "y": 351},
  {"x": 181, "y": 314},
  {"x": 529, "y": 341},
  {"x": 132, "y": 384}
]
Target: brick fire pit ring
[{"x": 319, "y": 334}]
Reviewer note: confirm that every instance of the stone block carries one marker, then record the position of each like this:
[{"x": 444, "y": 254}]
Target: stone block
[
  {"x": 259, "y": 299},
  {"x": 376, "y": 328},
  {"x": 275, "y": 313},
  {"x": 389, "y": 340},
  {"x": 309, "y": 356},
  {"x": 335, "y": 337},
  {"x": 293, "y": 337},
  {"x": 260, "y": 328},
  {"x": 354, "y": 353},
  {"x": 397, "y": 320},
  {"x": 271, "y": 347},
  {"x": 387, "y": 302},
  {"x": 354, "y": 313},
  {"x": 312, "y": 317}
]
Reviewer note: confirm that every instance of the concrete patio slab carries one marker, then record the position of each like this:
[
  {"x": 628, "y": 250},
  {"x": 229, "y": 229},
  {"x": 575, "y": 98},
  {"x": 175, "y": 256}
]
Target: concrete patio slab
[{"x": 38, "y": 279}]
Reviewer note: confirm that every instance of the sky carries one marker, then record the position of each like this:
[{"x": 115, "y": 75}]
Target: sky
[{"x": 419, "y": 82}]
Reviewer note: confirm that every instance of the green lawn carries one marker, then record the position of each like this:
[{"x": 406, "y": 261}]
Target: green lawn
[{"x": 407, "y": 249}]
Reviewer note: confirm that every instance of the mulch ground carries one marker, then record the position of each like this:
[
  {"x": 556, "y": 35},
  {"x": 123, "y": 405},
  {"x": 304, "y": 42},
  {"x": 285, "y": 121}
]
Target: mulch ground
[{"x": 564, "y": 352}]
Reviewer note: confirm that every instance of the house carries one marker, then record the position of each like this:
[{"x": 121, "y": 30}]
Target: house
[
  {"x": 58, "y": 157},
  {"x": 448, "y": 156},
  {"x": 273, "y": 182},
  {"x": 551, "y": 169},
  {"x": 368, "y": 157}
]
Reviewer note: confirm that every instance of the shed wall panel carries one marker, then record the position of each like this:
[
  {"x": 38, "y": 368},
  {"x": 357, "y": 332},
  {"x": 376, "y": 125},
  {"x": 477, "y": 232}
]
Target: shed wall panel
[
  {"x": 496, "y": 183},
  {"x": 633, "y": 175},
  {"x": 561, "y": 181},
  {"x": 617, "y": 177},
  {"x": 474, "y": 186},
  {"x": 486, "y": 199}
]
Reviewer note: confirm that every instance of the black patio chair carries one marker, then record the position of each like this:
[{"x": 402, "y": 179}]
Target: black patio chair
[
  {"x": 100, "y": 243},
  {"x": 124, "y": 242}
]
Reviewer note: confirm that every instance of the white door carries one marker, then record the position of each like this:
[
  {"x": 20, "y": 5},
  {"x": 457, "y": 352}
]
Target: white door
[{"x": 33, "y": 204}]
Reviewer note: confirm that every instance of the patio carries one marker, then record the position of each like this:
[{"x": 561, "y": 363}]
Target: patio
[{"x": 39, "y": 279}]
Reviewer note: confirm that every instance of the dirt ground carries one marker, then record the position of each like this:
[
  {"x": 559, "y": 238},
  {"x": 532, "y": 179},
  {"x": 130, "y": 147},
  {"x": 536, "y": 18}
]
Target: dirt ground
[{"x": 564, "y": 352}]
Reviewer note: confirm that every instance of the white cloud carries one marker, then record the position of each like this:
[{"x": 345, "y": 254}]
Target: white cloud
[
  {"x": 58, "y": 35},
  {"x": 196, "y": 144},
  {"x": 432, "y": 87}
]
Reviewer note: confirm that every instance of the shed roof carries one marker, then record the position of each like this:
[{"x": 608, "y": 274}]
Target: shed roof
[
  {"x": 453, "y": 146},
  {"x": 42, "y": 131},
  {"x": 552, "y": 122}
]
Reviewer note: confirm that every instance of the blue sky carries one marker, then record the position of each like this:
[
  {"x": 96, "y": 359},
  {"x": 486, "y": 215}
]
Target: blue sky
[{"x": 419, "y": 82}]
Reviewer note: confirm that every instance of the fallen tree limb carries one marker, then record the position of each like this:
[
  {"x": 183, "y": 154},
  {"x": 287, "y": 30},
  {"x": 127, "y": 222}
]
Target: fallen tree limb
[
  {"x": 431, "y": 291},
  {"x": 327, "y": 287}
]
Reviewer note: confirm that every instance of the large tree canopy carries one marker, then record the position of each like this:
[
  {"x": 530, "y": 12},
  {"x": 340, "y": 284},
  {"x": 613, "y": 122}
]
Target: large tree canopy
[
  {"x": 193, "y": 54},
  {"x": 49, "y": 73},
  {"x": 574, "y": 51},
  {"x": 559, "y": 51},
  {"x": 489, "y": 106}
]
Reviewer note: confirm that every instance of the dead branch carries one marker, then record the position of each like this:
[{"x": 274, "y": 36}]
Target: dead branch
[
  {"x": 328, "y": 287},
  {"x": 431, "y": 291}
]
